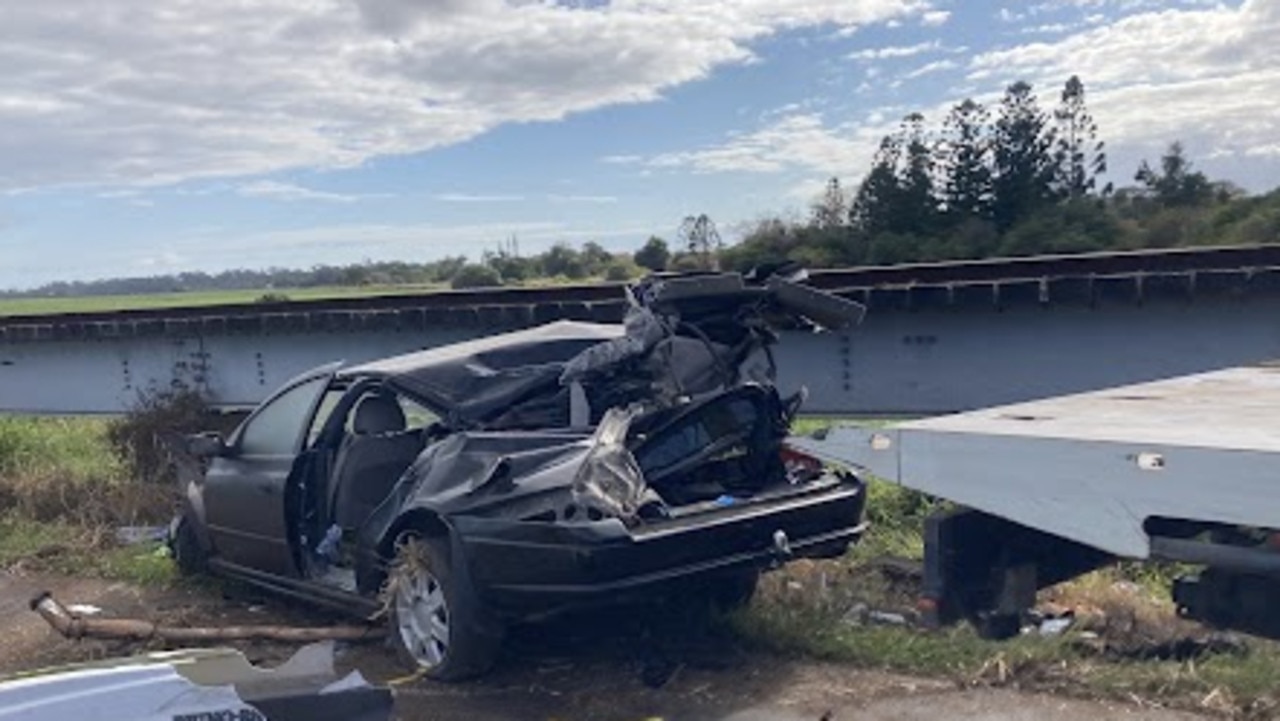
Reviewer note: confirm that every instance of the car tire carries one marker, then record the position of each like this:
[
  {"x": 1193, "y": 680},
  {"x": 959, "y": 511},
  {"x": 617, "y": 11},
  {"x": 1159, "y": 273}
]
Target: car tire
[
  {"x": 188, "y": 555},
  {"x": 437, "y": 625}
]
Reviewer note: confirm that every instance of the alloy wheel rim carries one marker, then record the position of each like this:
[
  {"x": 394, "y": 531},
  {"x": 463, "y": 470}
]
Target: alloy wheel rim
[{"x": 422, "y": 615}]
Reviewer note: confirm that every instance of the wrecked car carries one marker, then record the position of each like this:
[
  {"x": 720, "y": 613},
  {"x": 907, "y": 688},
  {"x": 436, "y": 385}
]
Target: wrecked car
[{"x": 463, "y": 488}]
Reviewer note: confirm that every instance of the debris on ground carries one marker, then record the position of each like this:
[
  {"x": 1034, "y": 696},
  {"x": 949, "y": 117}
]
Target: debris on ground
[
  {"x": 1051, "y": 620},
  {"x": 198, "y": 684},
  {"x": 1181, "y": 648},
  {"x": 134, "y": 535},
  {"x": 78, "y": 626}
]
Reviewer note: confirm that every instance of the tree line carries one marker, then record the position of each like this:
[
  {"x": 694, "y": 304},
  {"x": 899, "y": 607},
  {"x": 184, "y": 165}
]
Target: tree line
[
  {"x": 1016, "y": 179},
  {"x": 502, "y": 266}
]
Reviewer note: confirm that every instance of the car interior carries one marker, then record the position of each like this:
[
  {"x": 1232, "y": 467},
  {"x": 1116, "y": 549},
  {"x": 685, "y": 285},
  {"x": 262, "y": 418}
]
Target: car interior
[
  {"x": 365, "y": 436},
  {"x": 376, "y": 450}
]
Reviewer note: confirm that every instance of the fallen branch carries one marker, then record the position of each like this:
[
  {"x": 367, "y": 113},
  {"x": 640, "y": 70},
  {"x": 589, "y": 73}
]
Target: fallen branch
[{"x": 74, "y": 626}]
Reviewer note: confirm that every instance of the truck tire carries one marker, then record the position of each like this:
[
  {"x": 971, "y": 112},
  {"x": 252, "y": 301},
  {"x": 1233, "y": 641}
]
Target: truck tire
[{"x": 437, "y": 625}]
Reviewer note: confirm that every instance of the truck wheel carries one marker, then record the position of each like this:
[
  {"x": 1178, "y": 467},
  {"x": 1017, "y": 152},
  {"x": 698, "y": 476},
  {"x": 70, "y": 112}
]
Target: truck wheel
[
  {"x": 188, "y": 556},
  {"x": 435, "y": 619}
]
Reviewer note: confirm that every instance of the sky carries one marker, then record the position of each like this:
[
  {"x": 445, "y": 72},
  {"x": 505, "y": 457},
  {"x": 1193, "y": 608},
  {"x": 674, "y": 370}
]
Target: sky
[{"x": 140, "y": 137}]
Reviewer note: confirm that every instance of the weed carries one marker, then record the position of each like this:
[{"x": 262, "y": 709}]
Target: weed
[
  {"x": 76, "y": 550},
  {"x": 143, "y": 436},
  {"x": 63, "y": 490}
]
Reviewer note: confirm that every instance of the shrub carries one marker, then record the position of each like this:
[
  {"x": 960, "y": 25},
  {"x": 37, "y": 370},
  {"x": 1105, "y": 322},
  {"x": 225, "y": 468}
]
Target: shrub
[
  {"x": 475, "y": 276},
  {"x": 142, "y": 436},
  {"x": 621, "y": 270},
  {"x": 64, "y": 470}
]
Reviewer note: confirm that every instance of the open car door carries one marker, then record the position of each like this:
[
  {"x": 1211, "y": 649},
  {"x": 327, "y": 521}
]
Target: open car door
[{"x": 245, "y": 485}]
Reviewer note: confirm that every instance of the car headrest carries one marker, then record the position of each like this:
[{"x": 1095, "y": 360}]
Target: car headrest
[{"x": 378, "y": 414}]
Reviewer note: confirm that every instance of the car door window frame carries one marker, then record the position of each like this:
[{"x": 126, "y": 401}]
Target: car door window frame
[{"x": 322, "y": 374}]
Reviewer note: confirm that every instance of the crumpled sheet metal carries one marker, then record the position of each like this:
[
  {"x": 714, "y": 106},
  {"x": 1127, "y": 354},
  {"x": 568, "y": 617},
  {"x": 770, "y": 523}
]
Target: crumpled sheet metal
[
  {"x": 197, "y": 685},
  {"x": 609, "y": 479},
  {"x": 643, "y": 330}
]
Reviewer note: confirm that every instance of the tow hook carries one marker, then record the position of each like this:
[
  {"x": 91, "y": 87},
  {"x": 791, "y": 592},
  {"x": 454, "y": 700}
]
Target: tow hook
[{"x": 781, "y": 547}]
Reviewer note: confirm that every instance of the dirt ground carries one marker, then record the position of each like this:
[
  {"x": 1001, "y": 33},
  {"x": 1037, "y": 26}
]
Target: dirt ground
[{"x": 608, "y": 667}]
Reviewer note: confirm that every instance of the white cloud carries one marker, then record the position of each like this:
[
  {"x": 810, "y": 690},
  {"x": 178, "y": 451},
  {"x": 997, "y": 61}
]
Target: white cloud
[
  {"x": 476, "y": 198},
  {"x": 895, "y": 51},
  {"x": 162, "y": 261},
  {"x": 1209, "y": 77},
  {"x": 137, "y": 92},
  {"x": 132, "y": 196},
  {"x": 935, "y": 18},
  {"x": 795, "y": 142},
  {"x": 596, "y": 199},
  {"x": 929, "y": 68},
  {"x": 1048, "y": 29},
  {"x": 276, "y": 190}
]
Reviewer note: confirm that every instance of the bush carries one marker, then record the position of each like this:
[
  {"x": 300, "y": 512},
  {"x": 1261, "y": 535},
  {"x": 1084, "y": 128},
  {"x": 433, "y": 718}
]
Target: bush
[
  {"x": 655, "y": 255},
  {"x": 64, "y": 470},
  {"x": 475, "y": 275},
  {"x": 141, "y": 437},
  {"x": 621, "y": 271}
]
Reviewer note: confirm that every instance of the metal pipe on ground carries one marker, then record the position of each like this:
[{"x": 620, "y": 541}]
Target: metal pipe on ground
[{"x": 76, "y": 627}]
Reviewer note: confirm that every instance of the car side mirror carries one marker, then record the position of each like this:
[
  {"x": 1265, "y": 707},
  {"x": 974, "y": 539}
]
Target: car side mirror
[{"x": 207, "y": 445}]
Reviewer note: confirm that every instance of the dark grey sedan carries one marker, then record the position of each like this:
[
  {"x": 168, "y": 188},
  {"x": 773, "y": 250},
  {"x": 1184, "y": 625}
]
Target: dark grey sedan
[{"x": 467, "y": 487}]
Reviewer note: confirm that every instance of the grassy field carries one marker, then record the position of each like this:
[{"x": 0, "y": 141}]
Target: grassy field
[
  {"x": 101, "y": 303},
  {"x": 64, "y": 491},
  {"x": 90, "y": 304}
]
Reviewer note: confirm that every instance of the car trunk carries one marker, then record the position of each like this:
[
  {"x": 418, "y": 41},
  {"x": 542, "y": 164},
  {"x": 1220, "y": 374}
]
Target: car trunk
[{"x": 723, "y": 450}]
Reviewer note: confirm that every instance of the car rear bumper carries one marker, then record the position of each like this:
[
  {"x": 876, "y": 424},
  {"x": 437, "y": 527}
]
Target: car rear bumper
[{"x": 523, "y": 569}]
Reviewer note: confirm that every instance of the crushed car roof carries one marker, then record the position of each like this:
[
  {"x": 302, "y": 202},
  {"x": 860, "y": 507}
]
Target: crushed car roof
[{"x": 473, "y": 378}]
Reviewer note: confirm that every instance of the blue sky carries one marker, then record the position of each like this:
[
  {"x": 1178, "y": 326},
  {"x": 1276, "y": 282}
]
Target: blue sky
[{"x": 141, "y": 136}]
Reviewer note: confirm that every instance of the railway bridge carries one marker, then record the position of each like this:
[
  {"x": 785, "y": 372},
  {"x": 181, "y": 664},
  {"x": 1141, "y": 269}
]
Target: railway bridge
[{"x": 937, "y": 338}]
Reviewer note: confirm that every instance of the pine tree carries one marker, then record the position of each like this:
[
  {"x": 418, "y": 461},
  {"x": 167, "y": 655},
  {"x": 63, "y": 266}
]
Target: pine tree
[
  {"x": 702, "y": 240},
  {"x": 831, "y": 211},
  {"x": 872, "y": 209},
  {"x": 1176, "y": 184},
  {"x": 916, "y": 208},
  {"x": 1079, "y": 157},
  {"x": 1024, "y": 167},
  {"x": 966, "y": 160}
]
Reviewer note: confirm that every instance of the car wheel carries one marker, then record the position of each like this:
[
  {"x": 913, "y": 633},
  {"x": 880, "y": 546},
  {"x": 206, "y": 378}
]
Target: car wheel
[
  {"x": 188, "y": 555},
  {"x": 437, "y": 624}
]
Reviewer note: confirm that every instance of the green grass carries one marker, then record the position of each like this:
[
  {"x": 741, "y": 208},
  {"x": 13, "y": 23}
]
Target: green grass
[
  {"x": 73, "y": 447},
  {"x": 103, "y": 303},
  {"x": 69, "y": 549},
  {"x": 96, "y": 303},
  {"x": 62, "y": 489},
  {"x": 1233, "y": 683}
]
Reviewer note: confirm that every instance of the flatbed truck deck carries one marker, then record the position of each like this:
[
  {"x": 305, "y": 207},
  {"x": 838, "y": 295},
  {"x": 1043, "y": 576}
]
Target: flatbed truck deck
[{"x": 1185, "y": 469}]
